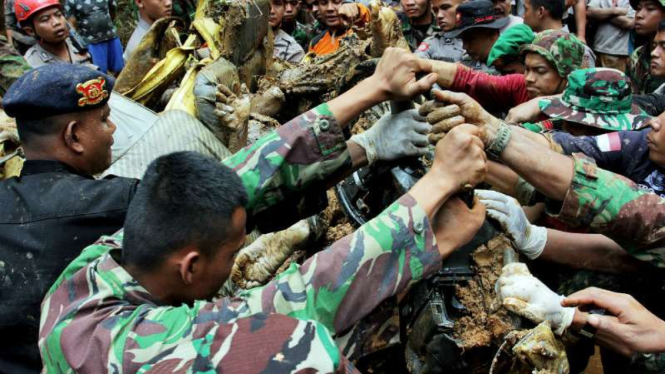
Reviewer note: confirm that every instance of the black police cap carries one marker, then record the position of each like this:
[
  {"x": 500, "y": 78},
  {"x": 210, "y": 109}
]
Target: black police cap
[{"x": 55, "y": 89}]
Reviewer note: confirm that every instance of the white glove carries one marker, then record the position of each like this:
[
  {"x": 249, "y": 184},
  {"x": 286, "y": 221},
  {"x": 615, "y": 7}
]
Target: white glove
[
  {"x": 529, "y": 239},
  {"x": 395, "y": 136},
  {"x": 526, "y": 295}
]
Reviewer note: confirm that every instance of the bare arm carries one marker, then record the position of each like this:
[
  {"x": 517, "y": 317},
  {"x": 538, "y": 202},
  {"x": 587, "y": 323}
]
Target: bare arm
[
  {"x": 623, "y": 22},
  {"x": 580, "y": 11},
  {"x": 502, "y": 178},
  {"x": 72, "y": 22},
  {"x": 588, "y": 251},
  {"x": 10, "y": 36},
  {"x": 600, "y": 14}
]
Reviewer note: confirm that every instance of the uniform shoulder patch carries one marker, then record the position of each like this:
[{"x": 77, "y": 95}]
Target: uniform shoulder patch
[
  {"x": 93, "y": 92},
  {"x": 609, "y": 142}
]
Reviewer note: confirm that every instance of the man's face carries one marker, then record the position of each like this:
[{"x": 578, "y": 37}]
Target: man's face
[
  {"x": 96, "y": 135},
  {"x": 276, "y": 13},
  {"x": 656, "y": 141},
  {"x": 328, "y": 9},
  {"x": 444, "y": 10},
  {"x": 49, "y": 25},
  {"x": 291, "y": 9},
  {"x": 531, "y": 18},
  {"x": 478, "y": 42},
  {"x": 541, "y": 78},
  {"x": 155, "y": 9},
  {"x": 648, "y": 15},
  {"x": 658, "y": 55},
  {"x": 313, "y": 9},
  {"x": 217, "y": 268},
  {"x": 415, "y": 8},
  {"x": 501, "y": 7}
]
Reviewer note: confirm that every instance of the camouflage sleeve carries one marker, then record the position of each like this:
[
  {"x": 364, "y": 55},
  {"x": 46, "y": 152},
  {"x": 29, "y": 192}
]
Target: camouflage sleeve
[
  {"x": 289, "y": 168},
  {"x": 12, "y": 65},
  {"x": 345, "y": 282},
  {"x": 614, "y": 206}
]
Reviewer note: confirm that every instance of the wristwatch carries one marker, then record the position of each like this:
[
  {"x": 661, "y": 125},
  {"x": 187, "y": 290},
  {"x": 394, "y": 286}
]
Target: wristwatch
[{"x": 500, "y": 142}]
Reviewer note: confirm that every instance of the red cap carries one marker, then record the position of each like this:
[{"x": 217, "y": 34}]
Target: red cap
[{"x": 26, "y": 8}]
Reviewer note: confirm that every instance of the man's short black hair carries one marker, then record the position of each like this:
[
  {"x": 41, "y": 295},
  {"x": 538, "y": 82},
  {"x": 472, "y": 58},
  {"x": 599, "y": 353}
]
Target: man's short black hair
[
  {"x": 184, "y": 198},
  {"x": 31, "y": 128},
  {"x": 554, "y": 7}
]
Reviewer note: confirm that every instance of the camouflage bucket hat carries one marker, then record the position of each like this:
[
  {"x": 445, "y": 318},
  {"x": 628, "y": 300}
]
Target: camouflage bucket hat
[
  {"x": 597, "y": 97},
  {"x": 561, "y": 49},
  {"x": 507, "y": 47}
]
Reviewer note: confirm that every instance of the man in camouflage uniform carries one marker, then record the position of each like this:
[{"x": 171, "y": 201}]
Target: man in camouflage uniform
[
  {"x": 549, "y": 59},
  {"x": 12, "y": 65},
  {"x": 649, "y": 14},
  {"x": 505, "y": 53},
  {"x": 596, "y": 101},
  {"x": 287, "y": 323},
  {"x": 582, "y": 195},
  {"x": 418, "y": 22}
]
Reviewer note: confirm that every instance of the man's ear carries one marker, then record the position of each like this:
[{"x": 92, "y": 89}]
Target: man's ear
[
  {"x": 189, "y": 266},
  {"x": 541, "y": 12},
  {"x": 72, "y": 137},
  {"x": 139, "y": 3},
  {"x": 29, "y": 31}
]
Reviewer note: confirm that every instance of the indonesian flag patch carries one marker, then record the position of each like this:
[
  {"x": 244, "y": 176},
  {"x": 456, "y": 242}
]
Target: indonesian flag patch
[
  {"x": 609, "y": 142},
  {"x": 423, "y": 47}
]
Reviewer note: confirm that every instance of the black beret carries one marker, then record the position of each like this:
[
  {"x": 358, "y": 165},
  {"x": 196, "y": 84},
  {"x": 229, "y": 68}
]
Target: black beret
[{"x": 55, "y": 89}]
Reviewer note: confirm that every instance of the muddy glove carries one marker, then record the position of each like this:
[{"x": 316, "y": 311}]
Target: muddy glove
[
  {"x": 395, "y": 136},
  {"x": 529, "y": 239},
  {"x": 526, "y": 295}
]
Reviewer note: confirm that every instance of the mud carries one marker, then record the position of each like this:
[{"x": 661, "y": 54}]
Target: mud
[
  {"x": 486, "y": 322},
  {"x": 336, "y": 224}
]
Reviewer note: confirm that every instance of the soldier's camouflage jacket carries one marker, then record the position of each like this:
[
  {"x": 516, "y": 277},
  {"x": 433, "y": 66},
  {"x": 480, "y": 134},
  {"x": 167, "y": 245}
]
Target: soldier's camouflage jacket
[
  {"x": 414, "y": 36},
  {"x": 96, "y": 318},
  {"x": 616, "y": 207},
  {"x": 638, "y": 70},
  {"x": 12, "y": 65}
]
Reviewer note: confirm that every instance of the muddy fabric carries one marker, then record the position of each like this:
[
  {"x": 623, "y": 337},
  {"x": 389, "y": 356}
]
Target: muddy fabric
[
  {"x": 639, "y": 71},
  {"x": 12, "y": 65},
  {"x": 47, "y": 216},
  {"x": 616, "y": 207},
  {"x": 416, "y": 35},
  {"x": 110, "y": 317},
  {"x": 623, "y": 152}
]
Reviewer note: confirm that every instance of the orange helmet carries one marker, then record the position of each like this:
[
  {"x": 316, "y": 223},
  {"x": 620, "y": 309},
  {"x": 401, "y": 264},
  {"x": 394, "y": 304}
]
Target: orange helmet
[{"x": 26, "y": 8}]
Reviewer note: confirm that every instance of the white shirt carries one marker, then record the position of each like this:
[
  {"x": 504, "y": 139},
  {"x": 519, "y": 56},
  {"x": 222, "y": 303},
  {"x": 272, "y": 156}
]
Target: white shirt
[
  {"x": 512, "y": 21},
  {"x": 139, "y": 32},
  {"x": 287, "y": 48}
]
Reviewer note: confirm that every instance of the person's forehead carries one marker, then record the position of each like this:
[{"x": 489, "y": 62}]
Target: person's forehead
[
  {"x": 442, "y": 3},
  {"x": 535, "y": 60},
  {"x": 660, "y": 37}
]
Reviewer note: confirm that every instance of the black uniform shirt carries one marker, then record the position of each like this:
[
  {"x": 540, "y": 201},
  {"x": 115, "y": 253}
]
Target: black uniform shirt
[{"x": 47, "y": 216}]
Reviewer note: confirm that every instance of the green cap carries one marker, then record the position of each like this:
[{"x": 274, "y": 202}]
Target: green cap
[
  {"x": 507, "y": 47},
  {"x": 560, "y": 48},
  {"x": 598, "y": 97},
  {"x": 633, "y": 3}
]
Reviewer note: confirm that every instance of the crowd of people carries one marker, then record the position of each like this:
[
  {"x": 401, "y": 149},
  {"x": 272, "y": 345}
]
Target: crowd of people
[{"x": 555, "y": 108}]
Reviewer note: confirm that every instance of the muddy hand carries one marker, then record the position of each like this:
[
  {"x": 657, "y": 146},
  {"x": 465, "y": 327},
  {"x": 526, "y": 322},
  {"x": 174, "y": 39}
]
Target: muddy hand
[
  {"x": 395, "y": 75},
  {"x": 455, "y": 224},
  {"x": 460, "y": 158},
  {"x": 231, "y": 110}
]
